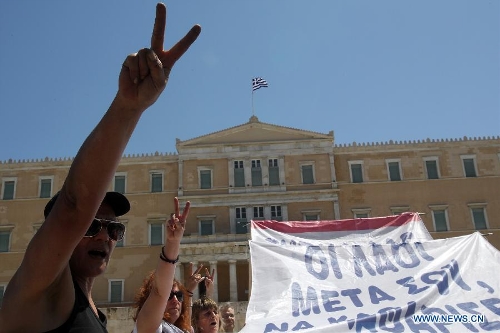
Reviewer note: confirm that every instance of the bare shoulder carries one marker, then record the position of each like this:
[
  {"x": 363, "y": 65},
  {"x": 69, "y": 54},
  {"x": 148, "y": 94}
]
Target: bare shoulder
[{"x": 48, "y": 308}]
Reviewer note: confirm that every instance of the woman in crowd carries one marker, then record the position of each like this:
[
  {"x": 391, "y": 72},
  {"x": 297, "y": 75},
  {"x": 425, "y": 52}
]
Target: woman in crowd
[
  {"x": 176, "y": 316},
  {"x": 162, "y": 311},
  {"x": 205, "y": 316},
  {"x": 159, "y": 302}
]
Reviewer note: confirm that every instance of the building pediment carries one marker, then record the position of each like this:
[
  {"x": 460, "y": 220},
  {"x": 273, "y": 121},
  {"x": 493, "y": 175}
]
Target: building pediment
[{"x": 253, "y": 132}]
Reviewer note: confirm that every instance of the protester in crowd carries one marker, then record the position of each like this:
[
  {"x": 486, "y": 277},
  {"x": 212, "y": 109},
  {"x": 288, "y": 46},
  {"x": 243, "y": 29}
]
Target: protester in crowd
[
  {"x": 205, "y": 316},
  {"x": 227, "y": 317},
  {"x": 53, "y": 285},
  {"x": 194, "y": 279},
  {"x": 175, "y": 315},
  {"x": 159, "y": 301}
]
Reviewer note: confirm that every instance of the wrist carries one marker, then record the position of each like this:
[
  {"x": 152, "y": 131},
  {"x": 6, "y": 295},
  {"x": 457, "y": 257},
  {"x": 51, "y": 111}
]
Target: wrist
[
  {"x": 168, "y": 259},
  {"x": 127, "y": 106}
]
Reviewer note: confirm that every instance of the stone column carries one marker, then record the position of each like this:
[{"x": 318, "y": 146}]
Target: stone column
[
  {"x": 180, "y": 192},
  {"x": 213, "y": 267},
  {"x": 233, "y": 283},
  {"x": 332, "y": 171}
]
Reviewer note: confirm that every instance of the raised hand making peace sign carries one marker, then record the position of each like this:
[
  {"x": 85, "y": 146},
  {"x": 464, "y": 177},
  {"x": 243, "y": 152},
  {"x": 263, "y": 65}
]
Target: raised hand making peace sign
[
  {"x": 145, "y": 74},
  {"x": 177, "y": 223}
]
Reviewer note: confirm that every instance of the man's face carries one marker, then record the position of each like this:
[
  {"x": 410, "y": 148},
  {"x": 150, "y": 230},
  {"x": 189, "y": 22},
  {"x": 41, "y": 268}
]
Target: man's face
[
  {"x": 90, "y": 257},
  {"x": 228, "y": 319}
]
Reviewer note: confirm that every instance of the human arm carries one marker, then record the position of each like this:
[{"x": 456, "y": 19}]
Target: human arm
[
  {"x": 151, "y": 313},
  {"x": 49, "y": 298}
]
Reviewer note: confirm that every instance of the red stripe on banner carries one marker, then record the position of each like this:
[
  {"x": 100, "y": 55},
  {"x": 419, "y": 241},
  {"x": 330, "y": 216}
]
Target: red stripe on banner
[{"x": 294, "y": 227}]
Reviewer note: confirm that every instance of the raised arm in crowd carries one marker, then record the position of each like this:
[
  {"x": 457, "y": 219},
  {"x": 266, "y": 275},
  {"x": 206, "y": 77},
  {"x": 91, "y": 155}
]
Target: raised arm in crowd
[{"x": 53, "y": 285}]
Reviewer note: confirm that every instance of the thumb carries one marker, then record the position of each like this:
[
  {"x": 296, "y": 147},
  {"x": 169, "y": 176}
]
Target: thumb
[{"x": 158, "y": 73}]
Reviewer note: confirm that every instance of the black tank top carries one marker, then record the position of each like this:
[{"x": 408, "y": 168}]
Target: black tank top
[{"x": 82, "y": 319}]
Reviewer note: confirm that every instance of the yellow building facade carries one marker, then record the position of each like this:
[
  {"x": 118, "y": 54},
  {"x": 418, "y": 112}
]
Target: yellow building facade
[{"x": 259, "y": 171}]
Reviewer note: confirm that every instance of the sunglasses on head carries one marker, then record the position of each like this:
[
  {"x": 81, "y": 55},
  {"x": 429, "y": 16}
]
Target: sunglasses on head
[
  {"x": 177, "y": 294},
  {"x": 115, "y": 229}
]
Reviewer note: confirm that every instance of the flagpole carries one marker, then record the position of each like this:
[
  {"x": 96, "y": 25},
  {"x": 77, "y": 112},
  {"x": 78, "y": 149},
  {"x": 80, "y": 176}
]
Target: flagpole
[{"x": 253, "y": 113}]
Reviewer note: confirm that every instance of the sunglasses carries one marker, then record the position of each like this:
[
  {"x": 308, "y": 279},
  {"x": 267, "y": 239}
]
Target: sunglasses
[
  {"x": 115, "y": 229},
  {"x": 177, "y": 294}
]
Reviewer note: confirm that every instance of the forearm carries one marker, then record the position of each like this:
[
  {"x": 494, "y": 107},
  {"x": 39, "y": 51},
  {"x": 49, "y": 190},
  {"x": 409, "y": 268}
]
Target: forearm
[
  {"x": 94, "y": 166},
  {"x": 151, "y": 314},
  {"x": 165, "y": 271}
]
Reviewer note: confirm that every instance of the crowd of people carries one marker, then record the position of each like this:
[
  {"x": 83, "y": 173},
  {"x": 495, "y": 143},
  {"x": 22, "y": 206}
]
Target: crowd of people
[{"x": 54, "y": 282}]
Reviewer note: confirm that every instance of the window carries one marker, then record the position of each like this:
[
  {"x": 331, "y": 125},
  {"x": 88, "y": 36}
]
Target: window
[
  {"x": 396, "y": 210},
  {"x": 469, "y": 163},
  {"x": 241, "y": 220},
  {"x": 478, "y": 212},
  {"x": 256, "y": 173},
  {"x": 121, "y": 243},
  {"x": 274, "y": 172},
  {"x": 361, "y": 213},
  {"x": 239, "y": 174},
  {"x": 479, "y": 218},
  {"x": 115, "y": 291},
  {"x": 258, "y": 213},
  {"x": 156, "y": 235},
  {"x": 120, "y": 184},
  {"x": 356, "y": 169},
  {"x": 205, "y": 178},
  {"x": 394, "y": 170},
  {"x": 206, "y": 227},
  {"x": 2, "y": 291},
  {"x": 276, "y": 213},
  {"x": 4, "y": 240},
  {"x": 9, "y": 188},
  {"x": 431, "y": 167},
  {"x": 45, "y": 187},
  {"x": 440, "y": 217},
  {"x": 307, "y": 171},
  {"x": 311, "y": 215},
  {"x": 156, "y": 181}
]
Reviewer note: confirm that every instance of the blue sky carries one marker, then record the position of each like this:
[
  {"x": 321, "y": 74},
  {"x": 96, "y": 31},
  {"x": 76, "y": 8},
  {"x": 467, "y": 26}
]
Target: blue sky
[{"x": 370, "y": 71}]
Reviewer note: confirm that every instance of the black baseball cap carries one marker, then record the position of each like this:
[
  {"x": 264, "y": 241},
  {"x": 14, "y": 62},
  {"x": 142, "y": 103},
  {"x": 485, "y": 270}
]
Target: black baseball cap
[{"x": 118, "y": 202}]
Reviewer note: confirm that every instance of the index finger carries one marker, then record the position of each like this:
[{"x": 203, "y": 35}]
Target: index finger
[
  {"x": 159, "y": 28},
  {"x": 176, "y": 207},
  {"x": 181, "y": 46},
  {"x": 207, "y": 272},
  {"x": 200, "y": 266}
]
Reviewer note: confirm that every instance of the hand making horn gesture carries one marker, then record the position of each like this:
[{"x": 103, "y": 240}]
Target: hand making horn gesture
[
  {"x": 209, "y": 282},
  {"x": 194, "y": 278}
]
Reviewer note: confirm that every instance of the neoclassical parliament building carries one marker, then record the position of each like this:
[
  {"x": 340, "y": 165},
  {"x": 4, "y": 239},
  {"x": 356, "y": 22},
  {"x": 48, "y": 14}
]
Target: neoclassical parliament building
[{"x": 260, "y": 171}]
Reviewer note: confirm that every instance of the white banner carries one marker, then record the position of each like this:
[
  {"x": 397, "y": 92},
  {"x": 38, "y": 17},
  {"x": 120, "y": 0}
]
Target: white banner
[
  {"x": 338, "y": 286},
  {"x": 401, "y": 228}
]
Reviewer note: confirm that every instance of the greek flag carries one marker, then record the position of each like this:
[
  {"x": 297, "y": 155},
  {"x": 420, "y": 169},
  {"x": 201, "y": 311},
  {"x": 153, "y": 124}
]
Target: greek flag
[{"x": 258, "y": 82}]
